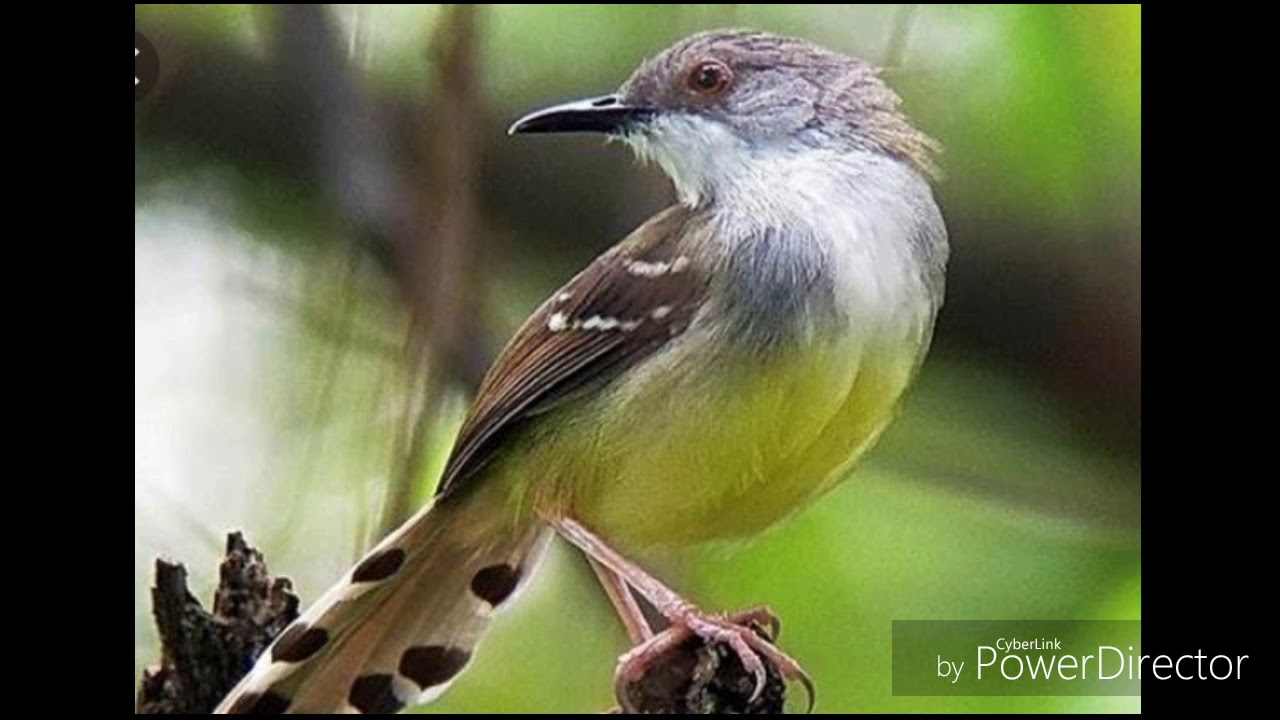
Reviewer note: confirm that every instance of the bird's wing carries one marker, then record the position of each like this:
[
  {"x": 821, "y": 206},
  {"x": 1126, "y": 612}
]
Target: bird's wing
[
  {"x": 625, "y": 305},
  {"x": 404, "y": 622}
]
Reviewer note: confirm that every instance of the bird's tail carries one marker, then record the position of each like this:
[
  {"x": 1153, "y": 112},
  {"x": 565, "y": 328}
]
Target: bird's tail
[{"x": 404, "y": 622}]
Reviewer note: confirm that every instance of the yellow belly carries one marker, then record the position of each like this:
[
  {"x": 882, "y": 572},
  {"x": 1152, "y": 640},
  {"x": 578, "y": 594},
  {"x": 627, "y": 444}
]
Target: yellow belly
[{"x": 685, "y": 454}]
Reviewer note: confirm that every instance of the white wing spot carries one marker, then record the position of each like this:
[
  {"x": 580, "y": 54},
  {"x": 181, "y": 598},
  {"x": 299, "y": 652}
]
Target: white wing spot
[
  {"x": 640, "y": 268},
  {"x": 660, "y": 312},
  {"x": 680, "y": 264},
  {"x": 564, "y": 297},
  {"x": 595, "y": 322},
  {"x": 559, "y": 321}
]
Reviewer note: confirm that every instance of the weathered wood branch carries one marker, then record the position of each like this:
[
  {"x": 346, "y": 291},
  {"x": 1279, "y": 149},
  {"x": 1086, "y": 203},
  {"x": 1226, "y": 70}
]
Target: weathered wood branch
[{"x": 203, "y": 654}]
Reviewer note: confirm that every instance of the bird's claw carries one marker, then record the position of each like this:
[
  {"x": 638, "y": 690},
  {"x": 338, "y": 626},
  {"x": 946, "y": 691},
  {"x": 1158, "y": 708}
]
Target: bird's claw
[{"x": 737, "y": 631}]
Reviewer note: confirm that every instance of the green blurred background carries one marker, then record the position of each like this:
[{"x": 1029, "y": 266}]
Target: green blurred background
[{"x": 333, "y": 236}]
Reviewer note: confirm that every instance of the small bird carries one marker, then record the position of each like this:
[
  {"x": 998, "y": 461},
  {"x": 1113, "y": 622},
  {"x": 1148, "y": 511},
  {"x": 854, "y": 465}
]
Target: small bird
[{"x": 720, "y": 368}]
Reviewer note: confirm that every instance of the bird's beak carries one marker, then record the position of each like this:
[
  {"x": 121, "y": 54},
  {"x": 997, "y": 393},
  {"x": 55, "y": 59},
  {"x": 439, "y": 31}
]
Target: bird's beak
[{"x": 608, "y": 114}]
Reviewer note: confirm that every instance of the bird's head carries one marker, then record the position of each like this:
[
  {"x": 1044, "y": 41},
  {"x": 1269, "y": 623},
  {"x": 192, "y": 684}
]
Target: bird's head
[{"x": 713, "y": 104}]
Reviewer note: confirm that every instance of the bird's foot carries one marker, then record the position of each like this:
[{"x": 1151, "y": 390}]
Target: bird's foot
[{"x": 748, "y": 634}]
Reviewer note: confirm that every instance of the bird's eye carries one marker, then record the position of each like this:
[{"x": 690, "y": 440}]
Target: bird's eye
[{"x": 710, "y": 77}]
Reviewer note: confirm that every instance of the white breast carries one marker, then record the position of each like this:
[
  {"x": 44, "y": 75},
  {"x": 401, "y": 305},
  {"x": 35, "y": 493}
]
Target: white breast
[
  {"x": 869, "y": 216},
  {"x": 711, "y": 437}
]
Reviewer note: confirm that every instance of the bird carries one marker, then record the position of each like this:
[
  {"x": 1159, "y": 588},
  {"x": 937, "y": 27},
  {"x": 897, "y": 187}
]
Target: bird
[{"x": 716, "y": 371}]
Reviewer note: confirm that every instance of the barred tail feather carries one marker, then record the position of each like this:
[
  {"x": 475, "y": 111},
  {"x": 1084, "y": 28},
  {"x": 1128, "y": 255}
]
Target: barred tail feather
[{"x": 399, "y": 627}]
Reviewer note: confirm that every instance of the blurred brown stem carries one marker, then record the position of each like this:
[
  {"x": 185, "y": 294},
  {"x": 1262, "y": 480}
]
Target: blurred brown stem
[
  {"x": 420, "y": 230},
  {"x": 450, "y": 158}
]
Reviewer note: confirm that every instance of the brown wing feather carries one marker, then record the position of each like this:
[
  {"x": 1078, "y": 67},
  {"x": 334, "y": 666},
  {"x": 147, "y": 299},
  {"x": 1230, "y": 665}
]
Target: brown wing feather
[{"x": 641, "y": 293}]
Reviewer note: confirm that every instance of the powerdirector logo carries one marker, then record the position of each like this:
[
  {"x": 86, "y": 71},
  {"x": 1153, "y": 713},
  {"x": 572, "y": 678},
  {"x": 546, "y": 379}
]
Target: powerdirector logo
[{"x": 1025, "y": 657}]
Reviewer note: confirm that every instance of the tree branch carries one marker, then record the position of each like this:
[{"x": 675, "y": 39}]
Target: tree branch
[{"x": 203, "y": 655}]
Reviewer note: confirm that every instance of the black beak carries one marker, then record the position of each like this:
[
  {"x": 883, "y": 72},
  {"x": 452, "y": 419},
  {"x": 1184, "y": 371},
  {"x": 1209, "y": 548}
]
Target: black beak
[{"x": 607, "y": 114}]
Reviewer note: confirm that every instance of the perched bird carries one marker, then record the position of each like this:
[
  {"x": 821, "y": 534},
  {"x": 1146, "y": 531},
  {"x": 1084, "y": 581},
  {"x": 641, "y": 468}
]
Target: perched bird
[{"x": 718, "y": 369}]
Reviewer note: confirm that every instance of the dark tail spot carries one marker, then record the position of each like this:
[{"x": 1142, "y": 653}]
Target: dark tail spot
[
  {"x": 372, "y": 695},
  {"x": 433, "y": 664},
  {"x": 379, "y": 566},
  {"x": 266, "y": 703},
  {"x": 298, "y": 643},
  {"x": 495, "y": 583}
]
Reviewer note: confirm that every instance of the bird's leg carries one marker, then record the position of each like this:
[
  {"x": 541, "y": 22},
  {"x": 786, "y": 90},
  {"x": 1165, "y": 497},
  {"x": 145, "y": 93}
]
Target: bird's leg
[
  {"x": 624, "y": 602},
  {"x": 686, "y": 619}
]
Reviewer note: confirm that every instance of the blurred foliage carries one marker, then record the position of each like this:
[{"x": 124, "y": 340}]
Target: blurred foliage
[{"x": 269, "y": 373}]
